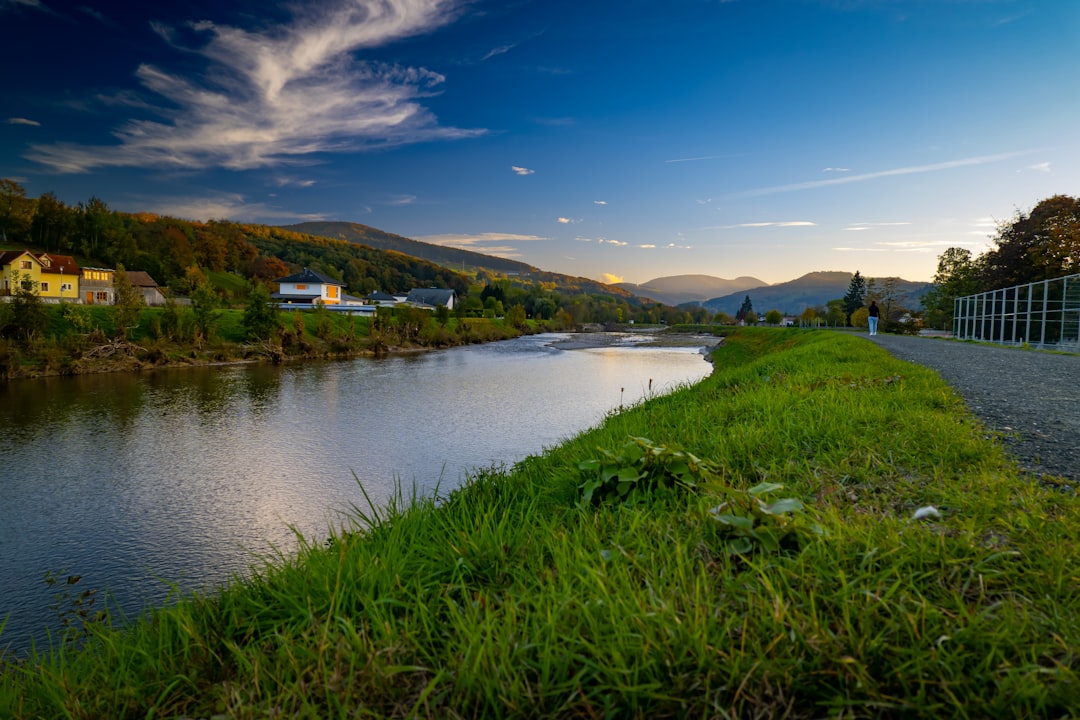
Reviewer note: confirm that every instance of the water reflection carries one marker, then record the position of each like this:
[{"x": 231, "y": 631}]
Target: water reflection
[{"x": 182, "y": 476}]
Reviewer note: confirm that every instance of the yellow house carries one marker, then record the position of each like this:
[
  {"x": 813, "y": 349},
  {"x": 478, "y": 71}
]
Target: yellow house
[
  {"x": 18, "y": 266},
  {"x": 59, "y": 277}
]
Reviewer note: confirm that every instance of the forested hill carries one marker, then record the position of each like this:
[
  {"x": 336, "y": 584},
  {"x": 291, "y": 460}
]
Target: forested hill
[{"x": 379, "y": 239}]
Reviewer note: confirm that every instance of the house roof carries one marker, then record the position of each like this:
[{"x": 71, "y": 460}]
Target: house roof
[
  {"x": 6, "y": 256},
  {"x": 141, "y": 279},
  {"x": 380, "y": 296},
  {"x": 58, "y": 263},
  {"x": 308, "y": 275},
  {"x": 430, "y": 296}
]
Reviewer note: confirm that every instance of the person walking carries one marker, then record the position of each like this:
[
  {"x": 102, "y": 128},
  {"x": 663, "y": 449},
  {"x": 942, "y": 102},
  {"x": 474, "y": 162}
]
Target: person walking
[{"x": 873, "y": 317}]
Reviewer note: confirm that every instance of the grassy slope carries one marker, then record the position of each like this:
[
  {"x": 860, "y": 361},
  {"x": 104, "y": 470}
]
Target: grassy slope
[{"x": 510, "y": 600}]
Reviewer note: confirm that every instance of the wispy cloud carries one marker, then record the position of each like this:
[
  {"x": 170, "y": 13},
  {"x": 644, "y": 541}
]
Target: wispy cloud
[
  {"x": 912, "y": 170},
  {"x": 285, "y": 181},
  {"x": 502, "y": 49},
  {"x": 23, "y": 121},
  {"x": 835, "y": 169},
  {"x": 33, "y": 4},
  {"x": 599, "y": 202},
  {"x": 228, "y": 205},
  {"x": 696, "y": 159},
  {"x": 783, "y": 224},
  {"x": 489, "y": 243},
  {"x": 280, "y": 93},
  {"x": 1040, "y": 167},
  {"x": 871, "y": 225},
  {"x": 401, "y": 200},
  {"x": 521, "y": 170},
  {"x": 565, "y": 221}
]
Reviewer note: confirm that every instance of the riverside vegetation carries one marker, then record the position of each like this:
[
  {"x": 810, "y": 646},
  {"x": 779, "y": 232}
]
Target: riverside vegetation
[
  {"x": 69, "y": 339},
  {"x": 815, "y": 530}
]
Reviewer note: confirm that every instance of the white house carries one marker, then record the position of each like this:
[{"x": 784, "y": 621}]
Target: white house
[{"x": 309, "y": 288}]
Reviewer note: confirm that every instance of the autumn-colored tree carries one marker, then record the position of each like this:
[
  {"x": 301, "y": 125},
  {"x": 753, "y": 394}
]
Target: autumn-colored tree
[{"x": 1041, "y": 245}]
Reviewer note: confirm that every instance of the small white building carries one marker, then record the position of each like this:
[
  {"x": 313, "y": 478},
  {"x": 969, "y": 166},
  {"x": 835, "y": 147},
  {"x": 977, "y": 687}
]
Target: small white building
[
  {"x": 307, "y": 289},
  {"x": 432, "y": 298}
]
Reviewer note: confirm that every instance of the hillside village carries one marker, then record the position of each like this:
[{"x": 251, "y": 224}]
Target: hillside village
[{"x": 59, "y": 278}]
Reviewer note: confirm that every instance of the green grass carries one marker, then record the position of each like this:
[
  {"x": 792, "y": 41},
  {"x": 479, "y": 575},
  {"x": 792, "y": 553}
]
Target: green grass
[{"x": 509, "y": 598}]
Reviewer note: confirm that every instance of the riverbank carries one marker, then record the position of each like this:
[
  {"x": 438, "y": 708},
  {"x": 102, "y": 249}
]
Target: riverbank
[
  {"x": 821, "y": 530},
  {"x": 86, "y": 340}
]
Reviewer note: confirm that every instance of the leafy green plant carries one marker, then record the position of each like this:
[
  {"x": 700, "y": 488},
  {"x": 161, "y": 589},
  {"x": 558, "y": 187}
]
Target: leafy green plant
[
  {"x": 75, "y": 609},
  {"x": 640, "y": 467},
  {"x": 748, "y": 521}
]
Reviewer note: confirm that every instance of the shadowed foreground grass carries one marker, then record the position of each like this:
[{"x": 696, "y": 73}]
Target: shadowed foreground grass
[{"x": 509, "y": 598}]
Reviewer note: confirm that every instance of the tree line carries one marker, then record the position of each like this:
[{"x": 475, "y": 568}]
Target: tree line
[
  {"x": 1038, "y": 245},
  {"x": 185, "y": 255}
]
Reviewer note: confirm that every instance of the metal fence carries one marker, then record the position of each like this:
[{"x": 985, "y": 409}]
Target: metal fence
[{"x": 1044, "y": 314}]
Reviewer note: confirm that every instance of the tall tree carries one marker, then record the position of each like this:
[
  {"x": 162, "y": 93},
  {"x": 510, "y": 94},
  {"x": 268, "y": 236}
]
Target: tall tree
[
  {"x": 1042, "y": 245},
  {"x": 16, "y": 211},
  {"x": 129, "y": 302},
  {"x": 53, "y": 223},
  {"x": 745, "y": 310},
  {"x": 855, "y": 296},
  {"x": 957, "y": 275}
]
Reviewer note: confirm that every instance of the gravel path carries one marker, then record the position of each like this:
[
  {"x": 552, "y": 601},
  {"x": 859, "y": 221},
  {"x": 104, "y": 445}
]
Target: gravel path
[{"x": 1033, "y": 398}]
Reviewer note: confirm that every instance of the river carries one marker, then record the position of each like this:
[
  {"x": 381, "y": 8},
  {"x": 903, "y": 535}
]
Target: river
[{"x": 179, "y": 480}]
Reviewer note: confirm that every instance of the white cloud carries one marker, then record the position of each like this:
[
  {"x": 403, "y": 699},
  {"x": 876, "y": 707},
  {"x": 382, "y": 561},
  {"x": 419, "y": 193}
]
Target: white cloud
[
  {"x": 565, "y": 221},
  {"x": 612, "y": 241},
  {"x": 280, "y": 93},
  {"x": 835, "y": 169},
  {"x": 22, "y": 121},
  {"x": 648, "y": 246},
  {"x": 285, "y": 181},
  {"x": 599, "y": 202},
  {"x": 401, "y": 200},
  {"x": 489, "y": 243},
  {"x": 1040, "y": 167},
  {"x": 696, "y": 159},
  {"x": 915, "y": 169},
  {"x": 221, "y": 207},
  {"x": 871, "y": 225},
  {"x": 521, "y": 170},
  {"x": 791, "y": 223},
  {"x": 498, "y": 51}
]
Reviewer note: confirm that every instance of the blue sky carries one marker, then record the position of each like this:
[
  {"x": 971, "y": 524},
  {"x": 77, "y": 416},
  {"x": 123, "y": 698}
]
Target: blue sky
[{"x": 616, "y": 141}]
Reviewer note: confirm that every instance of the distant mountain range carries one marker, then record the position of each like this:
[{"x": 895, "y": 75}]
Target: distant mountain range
[
  {"x": 811, "y": 290},
  {"x": 679, "y": 289},
  {"x": 717, "y": 294}
]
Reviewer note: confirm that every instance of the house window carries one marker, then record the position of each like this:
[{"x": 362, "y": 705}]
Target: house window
[
  {"x": 301, "y": 286},
  {"x": 102, "y": 297},
  {"x": 331, "y": 292},
  {"x": 44, "y": 287},
  {"x": 26, "y": 265},
  {"x": 66, "y": 287}
]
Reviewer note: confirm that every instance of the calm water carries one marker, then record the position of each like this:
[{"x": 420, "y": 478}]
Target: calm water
[{"x": 187, "y": 477}]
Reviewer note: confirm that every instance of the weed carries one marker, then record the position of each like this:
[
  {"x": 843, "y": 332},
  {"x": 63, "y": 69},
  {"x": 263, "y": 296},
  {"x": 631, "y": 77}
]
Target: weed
[{"x": 639, "y": 468}]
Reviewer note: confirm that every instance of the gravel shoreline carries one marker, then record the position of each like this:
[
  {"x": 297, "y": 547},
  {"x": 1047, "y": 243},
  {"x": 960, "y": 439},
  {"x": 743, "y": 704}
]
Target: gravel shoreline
[{"x": 1032, "y": 398}]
